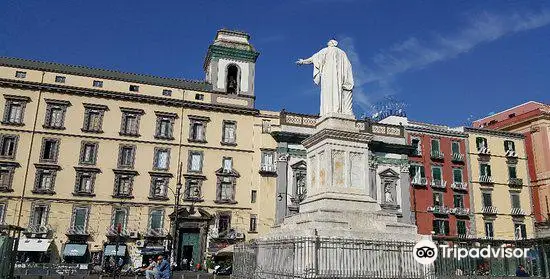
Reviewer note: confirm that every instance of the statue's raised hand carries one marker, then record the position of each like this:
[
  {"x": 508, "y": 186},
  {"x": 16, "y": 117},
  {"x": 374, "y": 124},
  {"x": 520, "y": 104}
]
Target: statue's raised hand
[{"x": 302, "y": 62}]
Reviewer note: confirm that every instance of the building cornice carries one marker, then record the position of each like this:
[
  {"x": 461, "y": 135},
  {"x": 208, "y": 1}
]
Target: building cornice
[
  {"x": 442, "y": 132},
  {"x": 289, "y": 137},
  {"x": 493, "y": 133}
]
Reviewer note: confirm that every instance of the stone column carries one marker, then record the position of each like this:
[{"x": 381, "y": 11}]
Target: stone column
[
  {"x": 281, "y": 206},
  {"x": 404, "y": 181}
]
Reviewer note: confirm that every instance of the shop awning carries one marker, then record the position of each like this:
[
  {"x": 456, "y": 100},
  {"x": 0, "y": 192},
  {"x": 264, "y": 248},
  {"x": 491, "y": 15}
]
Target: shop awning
[
  {"x": 75, "y": 250},
  {"x": 152, "y": 250},
  {"x": 33, "y": 245},
  {"x": 227, "y": 251},
  {"x": 110, "y": 250}
]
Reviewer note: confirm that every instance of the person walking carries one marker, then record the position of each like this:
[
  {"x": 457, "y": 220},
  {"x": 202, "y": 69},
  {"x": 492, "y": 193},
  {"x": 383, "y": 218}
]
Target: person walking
[
  {"x": 520, "y": 271},
  {"x": 163, "y": 268}
]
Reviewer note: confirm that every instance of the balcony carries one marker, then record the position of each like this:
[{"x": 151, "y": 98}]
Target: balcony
[
  {"x": 460, "y": 186},
  {"x": 484, "y": 151},
  {"x": 485, "y": 179},
  {"x": 489, "y": 210},
  {"x": 439, "y": 184},
  {"x": 268, "y": 169},
  {"x": 515, "y": 182},
  {"x": 438, "y": 209},
  {"x": 419, "y": 181},
  {"x": 156, "y": 233},
  {"x": 38, "y": 231},
  {"x": 123, "y": 196},
  {"x": 459, "y": 211},
  {"x": 518, "y": 211},
  {"x": 112, "y": 231},
  {"x": 77, "y": 231},
  {"x": 458, "y": 158},
  {"x": 436, "y": 155},
  {"x": 511, "y": 154},
  {"x": 417, "y": 152}
]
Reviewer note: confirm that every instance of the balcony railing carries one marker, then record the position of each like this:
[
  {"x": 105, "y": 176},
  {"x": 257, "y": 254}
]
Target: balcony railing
[
  {"x": 511, "y": 154},
  {"x": 438, "y": 209},
  {"x": 517, "y": 211},
  {"x": 484, "y": 151},
  {"x": 268, "y": 168},
  {"x": 112, "y": 231},
  {"x": 439, "y": 184},
  {"x": 158, "y": 232},
  {"x": 417, "y": 152},
  {"x": 438, "y": 155},
  {"x": 421, "y": 181},
  {"x": 461, "y": 186},
  {"x": 485, "y": 179},
  {"x": 489, "y": 210},
  {"x": 457, "y": 157},
  {"x": 515, "y": 182},
  {"x": 38, "y": 229},
  {"x": 460, "y": 211},
  {"x": 77, "y": 230}
]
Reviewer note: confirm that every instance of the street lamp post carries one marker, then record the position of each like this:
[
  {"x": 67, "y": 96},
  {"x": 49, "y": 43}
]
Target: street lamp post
[{"x": 176, "y": 216}]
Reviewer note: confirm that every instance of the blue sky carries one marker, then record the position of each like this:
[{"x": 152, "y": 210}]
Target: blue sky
[{"x": 447, "y": 60}]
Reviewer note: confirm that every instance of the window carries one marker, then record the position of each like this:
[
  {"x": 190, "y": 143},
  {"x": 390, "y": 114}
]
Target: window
[
  {"x": 14, "y": 109},
  {"x": 197, "y": 129},
  {"x": 156, "y": 218},
  {"x": 166, "y": 92},
  {"x": 80, "y": 219},
  {"x": 55, "y": 114},
  {"x": 457, "y": 175},
  {"x": 60, "y": 79},
  {"x": 461, "y": 228},
  {"x": 93, "y": 118},
  {"x": 88, "y": 153},
  {"x": 489, "y": 232},
  {"x": 512, "y": 173},
  {"x": 84, "y": 185},
  {"x": 165, "y": 125},
  {"x": 509, "y": 146},
  {"x": 97, "y": 83},
  {"x": 224, "y": 222},
  {"x": 159, "y": 187},
  {"x": 232, "y": 82},
  {"x": 226, "y": 191},
  {"x": 438, "y": 199},
  {"x": 162, "y": 159},
  {"x": 514, "y": 198},
  {"x": 194, "y": 163},
  {"x": 49, "y": 150},
  {"x": 253, "y": 223},
  {"x": 8, "y": 146},
  {"x": 455, "y": 147},
  {"x": 227, "y": 164},
  {"x": 268, "y": 161},
  {"x": 481, "y": 143},
  {"x": 229, "y": 132},
  {"x": 300, "y": 182},
  {"x": 20, "y": 74},
  {"x": 458, "y": 201},
  {"x": 417, "y": 172},
  {"x": 415, "y": 142},
  {"x": 193, "y": 189},
  {"x": 485, "y": 170},
  {"x": 6, "y": 177},
  {"x": 134, "y": 88},
  {"x": 126, "y": 156},
  {"x": 45, "y": 181},
  {"x": 119, "y": 218},
  {"x": 3, "y": 207},
  {"x": 130, "y": 122},
  {"x": 511, "y": 115},
  {"x": 123, "y": 185},
  {"x": 436, "y": 173},
  {"x": 199, "y": 97},
  {"x": 435, "y": 146},
  {"x": 253, "y": 196},
  {"x": 487, "y": 199},
  {"x": 266, "y": 126},
  {"x": 520, "y": 231},
  {"x": 440, "y": 227},
  {"x": 39, "y": 217}
]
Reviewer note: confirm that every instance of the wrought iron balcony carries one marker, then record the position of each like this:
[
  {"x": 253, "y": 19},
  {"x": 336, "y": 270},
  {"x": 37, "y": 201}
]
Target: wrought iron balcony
[
  {"x": 437, "y": 155},
  {"x": 417, "y": 152},
  {"x": 421, "y": 181},
  {"x": 518, "y": 211},
  {"x": 268, "y": 168},
  {"x": 461, "y": 186},
  {"x": 489, "y": 210},
  {"x": 485, "y": 179},
  {"x": 511, "y": 154},
  {"x": 438, "y": 209},
  {"x": 38, "y": 229},
  {"x": 77, "y": 231},
  {"x": 457, "y": 157},
  {"x": 156, "y": 233},
  {"x": 439, "y": 184},
  {"x": 515, "y": 182},
  {"x": 460, "y": 211},
  {"x": 483, "y": 151},
  {"x": 113, "y": 231}
]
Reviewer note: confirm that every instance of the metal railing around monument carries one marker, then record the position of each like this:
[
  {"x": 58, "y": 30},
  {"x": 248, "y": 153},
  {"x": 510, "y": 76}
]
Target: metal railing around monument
[{"x": 321, "y": 257}]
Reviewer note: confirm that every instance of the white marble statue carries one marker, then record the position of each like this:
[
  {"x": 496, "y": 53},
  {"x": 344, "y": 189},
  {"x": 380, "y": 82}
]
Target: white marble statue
[
  {"x": 388, "y": 197},
  {"x": 332, "y": 72}
]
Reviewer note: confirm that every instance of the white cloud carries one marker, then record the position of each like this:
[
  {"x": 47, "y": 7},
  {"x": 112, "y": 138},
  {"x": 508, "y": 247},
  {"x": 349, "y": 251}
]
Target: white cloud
[{"x": 416, "y": 53}]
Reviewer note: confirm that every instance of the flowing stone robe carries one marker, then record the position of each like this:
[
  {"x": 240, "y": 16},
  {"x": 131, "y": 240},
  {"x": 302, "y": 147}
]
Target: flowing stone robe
[{"x": 332, "y": 72}]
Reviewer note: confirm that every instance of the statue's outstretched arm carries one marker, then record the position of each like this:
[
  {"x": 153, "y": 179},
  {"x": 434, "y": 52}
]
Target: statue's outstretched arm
[{"x": 305, "y": 61}]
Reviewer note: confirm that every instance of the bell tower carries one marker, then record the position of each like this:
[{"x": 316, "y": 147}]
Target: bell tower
[{"x": 230, "y": 63}]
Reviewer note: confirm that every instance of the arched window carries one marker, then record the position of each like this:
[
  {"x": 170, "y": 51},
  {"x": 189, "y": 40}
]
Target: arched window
[{"x": 232, "y": 79}]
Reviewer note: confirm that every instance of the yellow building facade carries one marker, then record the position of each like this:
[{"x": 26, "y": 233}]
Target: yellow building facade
[
  {"x": 91, "y": 157},
  {"x": 500, "y": 192}
]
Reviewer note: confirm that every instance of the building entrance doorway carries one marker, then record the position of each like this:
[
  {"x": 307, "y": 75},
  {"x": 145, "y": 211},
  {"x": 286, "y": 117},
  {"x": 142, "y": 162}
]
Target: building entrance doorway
[{"x": 189, "y": 246}]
